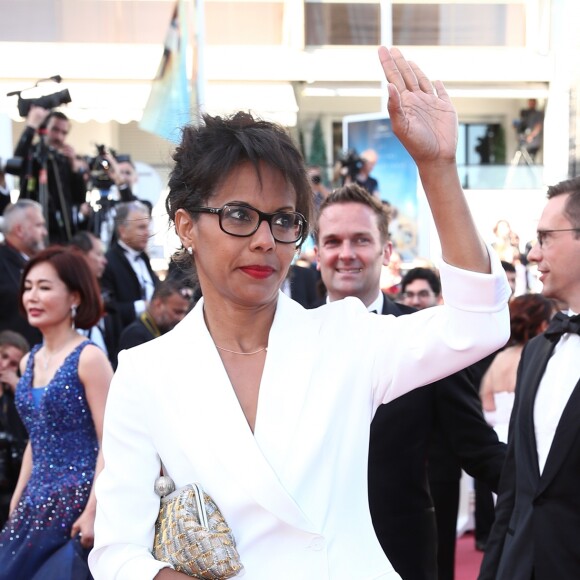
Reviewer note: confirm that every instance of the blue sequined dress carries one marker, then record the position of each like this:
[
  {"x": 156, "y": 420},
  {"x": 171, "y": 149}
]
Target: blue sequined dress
[{"x": 64, "y": 449}]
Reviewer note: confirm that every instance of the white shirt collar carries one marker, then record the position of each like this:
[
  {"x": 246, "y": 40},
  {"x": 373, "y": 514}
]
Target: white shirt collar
[
  {"x": 134, "y": 254},
  {"x": 376, "y": 304}
]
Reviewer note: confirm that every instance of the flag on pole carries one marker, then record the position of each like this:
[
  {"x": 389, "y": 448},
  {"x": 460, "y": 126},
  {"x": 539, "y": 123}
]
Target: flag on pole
[{"x": 169, "y": 106}]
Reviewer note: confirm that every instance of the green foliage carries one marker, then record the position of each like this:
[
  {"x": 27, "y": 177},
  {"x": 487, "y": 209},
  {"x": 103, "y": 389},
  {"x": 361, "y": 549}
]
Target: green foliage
[{"x": 318, "y": 148}]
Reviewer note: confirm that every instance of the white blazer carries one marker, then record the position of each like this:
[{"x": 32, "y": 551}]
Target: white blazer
[{"x": 295, "y": 491}]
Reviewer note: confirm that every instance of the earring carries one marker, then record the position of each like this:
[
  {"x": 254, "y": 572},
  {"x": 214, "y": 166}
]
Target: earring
[
  {"x": 190, "y": 251},
  {"x": 73, "y": 315}
]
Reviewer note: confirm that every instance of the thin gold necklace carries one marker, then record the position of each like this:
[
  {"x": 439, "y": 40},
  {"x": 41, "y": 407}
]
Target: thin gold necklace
[{"x": 265, "y": 348}]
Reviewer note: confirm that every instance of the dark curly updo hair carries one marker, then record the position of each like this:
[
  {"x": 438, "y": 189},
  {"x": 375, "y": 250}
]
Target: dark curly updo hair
[
  {"x": 209, "y": 152},
  {"x": 527, "y": 315}
]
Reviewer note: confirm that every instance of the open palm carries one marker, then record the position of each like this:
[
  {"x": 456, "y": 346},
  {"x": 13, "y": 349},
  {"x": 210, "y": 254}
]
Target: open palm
[{"x": 422, "y": 115}]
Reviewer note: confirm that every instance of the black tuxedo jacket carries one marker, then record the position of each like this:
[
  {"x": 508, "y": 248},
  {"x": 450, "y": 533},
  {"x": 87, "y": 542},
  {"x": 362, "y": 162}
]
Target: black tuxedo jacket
[
  {"x": 122, "y": 285},
  {"x": 11, "y": 265},
  {"x": 303, "y": 286},
  {"x": 400, "y": 502},
  {"x": 135, "y": 334},
  {"x": 537, "y": 525}
]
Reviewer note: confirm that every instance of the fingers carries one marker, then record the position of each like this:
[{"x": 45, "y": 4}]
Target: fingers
[
  {"x": 441, "y": 92},
  {"x": 86, "y": 539},
  {"x": 406, "y": 75},
  {"x": 397, "y": 69},
  {"x": 424, "y": 83}
]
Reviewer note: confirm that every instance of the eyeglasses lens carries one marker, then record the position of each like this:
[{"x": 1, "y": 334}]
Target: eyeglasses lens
[{"x": 244, "y": 221}]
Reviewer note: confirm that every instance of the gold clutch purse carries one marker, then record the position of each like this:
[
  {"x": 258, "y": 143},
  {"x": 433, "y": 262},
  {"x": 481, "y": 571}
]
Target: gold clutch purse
[{"x": 191, "y": 533}]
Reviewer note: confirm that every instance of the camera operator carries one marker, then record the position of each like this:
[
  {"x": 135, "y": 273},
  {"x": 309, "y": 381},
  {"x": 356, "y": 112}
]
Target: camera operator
[
  {"x": 319, "y": 190},
  {"x": 123, "y": 173},
  {"x": 66, "y": 199},
  {"x": 357, "y": 169},
  {"x": 530, "y": 128},
  {"x": 4, "y": 192},
  {"x": 363, "y": 178}
]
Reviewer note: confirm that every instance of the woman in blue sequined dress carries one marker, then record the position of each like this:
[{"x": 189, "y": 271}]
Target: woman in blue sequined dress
[{"x": 61, "y": 399}]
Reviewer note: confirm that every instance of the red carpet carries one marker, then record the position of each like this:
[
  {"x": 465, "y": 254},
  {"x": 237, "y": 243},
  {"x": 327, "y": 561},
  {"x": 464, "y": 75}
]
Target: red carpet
[{"x": 467, "y": 558}]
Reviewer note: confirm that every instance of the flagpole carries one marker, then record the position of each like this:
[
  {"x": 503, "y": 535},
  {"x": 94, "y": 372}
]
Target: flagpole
[
  {"x": 386, "y": 40},
  {"x": 198, "y": 76}
]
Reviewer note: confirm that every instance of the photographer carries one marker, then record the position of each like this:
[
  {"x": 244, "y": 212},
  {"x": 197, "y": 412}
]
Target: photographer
[
  {"x": 123, "y": 173},
  {"x": 357, "y": 169},
  {"x": 13, "y": 435},
  {"x": 319, "y": 191},
  {"x": 530, "y": 128},
  {"x": 65, "y": 203}
]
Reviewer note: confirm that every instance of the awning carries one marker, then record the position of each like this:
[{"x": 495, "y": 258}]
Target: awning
[{"x": 124, "y": 101}]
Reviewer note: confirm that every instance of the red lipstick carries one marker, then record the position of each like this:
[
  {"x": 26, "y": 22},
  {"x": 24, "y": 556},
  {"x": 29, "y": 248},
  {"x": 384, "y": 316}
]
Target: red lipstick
[{"x": 258, "y": 272}]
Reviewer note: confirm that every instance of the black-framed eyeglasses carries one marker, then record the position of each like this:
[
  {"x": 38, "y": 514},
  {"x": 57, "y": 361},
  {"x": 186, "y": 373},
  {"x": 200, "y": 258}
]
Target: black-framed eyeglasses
[
  {"x": 541, "y": 235},
  {"x": 243, "y": 221}
]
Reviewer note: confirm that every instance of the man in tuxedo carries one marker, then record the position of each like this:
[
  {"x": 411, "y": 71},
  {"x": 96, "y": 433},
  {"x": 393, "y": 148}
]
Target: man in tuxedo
[
  {"x": 537, "y": 523},
  {"x": 24, "y": 236},
  {"x": 301, "y": 285},
  {"x": 128, "y": 278},
  {"x": 352, "y": 246},
  {"x": 170, "y": 302}
]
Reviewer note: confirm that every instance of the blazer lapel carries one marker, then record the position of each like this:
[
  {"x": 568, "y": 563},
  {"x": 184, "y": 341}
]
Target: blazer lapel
[
  {"x": 234, "y": 441},
  {"x": 529, "y": 382}
]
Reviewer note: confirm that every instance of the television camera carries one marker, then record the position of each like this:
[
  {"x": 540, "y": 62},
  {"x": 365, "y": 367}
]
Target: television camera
[
  {"x": 46, "y": 101},
  {"x": 351, "y": 164}
]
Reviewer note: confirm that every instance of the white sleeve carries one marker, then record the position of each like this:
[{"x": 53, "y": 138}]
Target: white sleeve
[
  {"x": 127, "y": 505},
  {"x": 435, "y": 342}
]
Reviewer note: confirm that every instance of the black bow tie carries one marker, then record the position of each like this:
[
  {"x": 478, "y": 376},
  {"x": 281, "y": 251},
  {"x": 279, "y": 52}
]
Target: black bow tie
[{"x": 561, "y": 324}]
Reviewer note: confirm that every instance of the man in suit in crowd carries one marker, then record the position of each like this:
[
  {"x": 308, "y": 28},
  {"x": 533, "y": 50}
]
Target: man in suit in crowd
[
  {"x": 537, "y": 523},
  {"x": 170, "y": 302},
  {"x": 301, "y": 285},
  {"x": 421, "y": 288},
  {"x": 352, "y": 246},
  {"x": 128, "y": 277},
  {"x": 24, "y": 236},
  {"x": 13, "y": 435}
]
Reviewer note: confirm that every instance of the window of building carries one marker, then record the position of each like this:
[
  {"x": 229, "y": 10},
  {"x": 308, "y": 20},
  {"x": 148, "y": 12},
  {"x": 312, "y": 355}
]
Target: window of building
[{"x": 426, "y": 23}]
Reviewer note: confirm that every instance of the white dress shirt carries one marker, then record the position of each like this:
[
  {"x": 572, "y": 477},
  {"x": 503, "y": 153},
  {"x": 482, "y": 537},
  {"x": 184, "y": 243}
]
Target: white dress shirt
[
  {"x": 143, "y": 275},
  {"x": 555, "y": 388}
]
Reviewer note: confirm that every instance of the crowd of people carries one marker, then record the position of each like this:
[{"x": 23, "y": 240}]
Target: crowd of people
[{"x": 328, "y": 419}]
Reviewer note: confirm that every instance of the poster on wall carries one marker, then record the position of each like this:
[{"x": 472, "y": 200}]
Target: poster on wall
[{"x": 371, "y": 136}]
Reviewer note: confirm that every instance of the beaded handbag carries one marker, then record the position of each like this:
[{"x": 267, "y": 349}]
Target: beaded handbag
[{"x": 191, "y": 533}]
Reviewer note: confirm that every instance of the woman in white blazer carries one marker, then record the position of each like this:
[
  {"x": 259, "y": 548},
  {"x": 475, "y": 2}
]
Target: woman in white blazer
[{"x": 264, "y": 403}]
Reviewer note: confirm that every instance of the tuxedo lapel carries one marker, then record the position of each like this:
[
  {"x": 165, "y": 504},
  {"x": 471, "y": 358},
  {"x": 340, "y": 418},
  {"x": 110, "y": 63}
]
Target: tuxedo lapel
[
  {"x": 14, "y": 263},
  {"x": 127, "y": 268},
  {"x": 232, "y": 442},
  {"x": 565, "y": 436},
  {"x": 536, "y": 361}
]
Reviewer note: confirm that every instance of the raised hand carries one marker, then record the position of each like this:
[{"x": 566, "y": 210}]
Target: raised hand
[{"x": 422, "y": 115}]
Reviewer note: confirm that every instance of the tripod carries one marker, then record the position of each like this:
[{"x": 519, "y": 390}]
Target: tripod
[
  {"x": 522, "y": 153},
  {"x": 521, "y": 156}
]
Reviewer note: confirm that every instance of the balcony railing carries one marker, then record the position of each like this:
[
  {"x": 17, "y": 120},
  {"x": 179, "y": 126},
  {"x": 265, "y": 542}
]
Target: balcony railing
[{"x": 522, "y": 176}]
